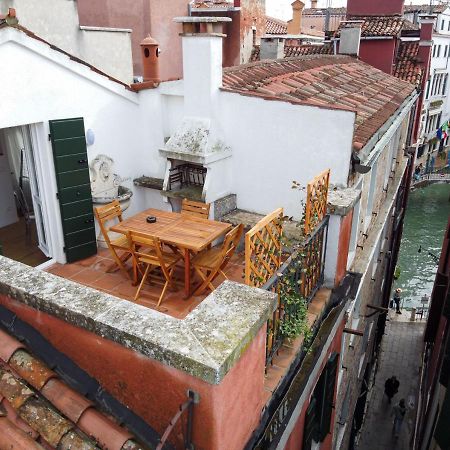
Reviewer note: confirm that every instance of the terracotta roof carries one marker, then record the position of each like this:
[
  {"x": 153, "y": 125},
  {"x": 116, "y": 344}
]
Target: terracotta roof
[
  {"x": 296, "y": 50},
  {"x": 301, "y": 50},
  {"x": 275, "y": 26},
  {"x": 409, "y": 26},
  {"x": 212, "y": 4},
  {"x": 30, "y": 34},
  {"x": 407, "y": 67},
  {"x": 424, "y": 8},
  {"x": 38, "y": 410},
  {"x": 378, "y": 25},
  {"x": 340, "y": 82}
]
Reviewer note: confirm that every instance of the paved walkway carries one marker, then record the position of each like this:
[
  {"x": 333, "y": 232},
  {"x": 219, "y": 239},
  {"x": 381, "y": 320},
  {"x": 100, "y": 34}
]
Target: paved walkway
[{"x": 400, "y": 356}]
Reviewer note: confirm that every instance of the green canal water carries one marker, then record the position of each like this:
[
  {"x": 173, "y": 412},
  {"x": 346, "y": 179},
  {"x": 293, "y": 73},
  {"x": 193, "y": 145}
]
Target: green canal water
[{"x": 425, "y": 223}]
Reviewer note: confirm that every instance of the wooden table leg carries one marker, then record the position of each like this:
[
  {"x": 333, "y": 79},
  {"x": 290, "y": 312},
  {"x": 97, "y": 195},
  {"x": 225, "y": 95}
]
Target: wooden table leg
[{"x": 187, "y": 273}]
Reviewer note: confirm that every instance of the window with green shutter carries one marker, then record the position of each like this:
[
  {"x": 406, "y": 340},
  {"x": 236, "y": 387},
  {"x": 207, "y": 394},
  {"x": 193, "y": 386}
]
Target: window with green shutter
[
  {"x": 320, "y": 410},
  {"x": 310, "y": 428},
  {"x": 442, "y": 432},
  {"x": 74, "y": 187}
]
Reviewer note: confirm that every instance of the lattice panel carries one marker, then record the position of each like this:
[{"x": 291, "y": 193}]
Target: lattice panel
[
  {"x": 263, "y": 249},
  {"x": 316, "y": 200}
]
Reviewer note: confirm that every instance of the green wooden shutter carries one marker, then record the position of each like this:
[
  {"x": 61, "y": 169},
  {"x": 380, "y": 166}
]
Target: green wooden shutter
[
  {"x": 310, "y": 428},
  {"x": 444, "y": 377},
  {"x": 442, "y": 432},
  {"x": 324, "y": 395},
  {"x": 74, "y": 187}
]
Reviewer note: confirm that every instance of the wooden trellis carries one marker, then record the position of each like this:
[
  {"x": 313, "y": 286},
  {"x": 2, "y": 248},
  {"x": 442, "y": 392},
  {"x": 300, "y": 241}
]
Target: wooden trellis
[
  {"x": 263, "y": 249},
  {"x": 316, "y": 200}
]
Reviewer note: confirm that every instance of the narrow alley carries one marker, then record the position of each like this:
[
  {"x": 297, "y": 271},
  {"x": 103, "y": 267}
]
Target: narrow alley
[{"x": 400, "y": 356}]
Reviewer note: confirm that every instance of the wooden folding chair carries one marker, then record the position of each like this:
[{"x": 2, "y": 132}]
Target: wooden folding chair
[
  {"x": 196, "y": 209},
  {"x": 103, "y": 214},
  {"x": 147, "y": 251},
  {"x": 212, "y": 262}
]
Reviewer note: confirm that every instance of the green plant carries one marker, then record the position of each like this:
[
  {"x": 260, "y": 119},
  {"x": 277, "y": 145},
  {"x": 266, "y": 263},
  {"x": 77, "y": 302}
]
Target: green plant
[{"x": 294, "y": 321}]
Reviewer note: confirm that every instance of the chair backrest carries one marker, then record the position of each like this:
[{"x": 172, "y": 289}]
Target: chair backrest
[
  {"x": 105, "y": 213},
  {"x": 231, "y": 242},
  {"x": 196, "y": 209},
  {"x": 22, "y": 203},
  {"x": 139, "y": 242}
]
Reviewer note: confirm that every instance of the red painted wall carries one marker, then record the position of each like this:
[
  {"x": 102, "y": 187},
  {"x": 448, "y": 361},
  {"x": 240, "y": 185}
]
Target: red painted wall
[
  {"x": 378, "y": 53},
  {"x": 374, "y": 7},
  {"x": 345, "y": 233},
  {"x": 223, "y": 420},
  {"x": 295, "y": 441},
  {"x": 143, "y": 17}
]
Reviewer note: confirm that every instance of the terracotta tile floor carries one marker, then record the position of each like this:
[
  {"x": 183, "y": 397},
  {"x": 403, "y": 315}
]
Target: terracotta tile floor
[{"x": 92, "y": 272}]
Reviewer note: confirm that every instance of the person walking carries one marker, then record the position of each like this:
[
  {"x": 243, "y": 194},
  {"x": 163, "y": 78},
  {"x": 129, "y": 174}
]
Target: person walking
[
  {"x": 397, "y": 300},
  {"x": 399, "y": 413},
  {"x": 391, "y": 387}
]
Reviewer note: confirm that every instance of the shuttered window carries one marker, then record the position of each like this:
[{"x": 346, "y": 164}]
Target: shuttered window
[
  {"x": 311, "y": 426},
  {"x": 442, "y": 433},
  {"x": 74, "y": 187},
  {"x": 320, "y": 410}
]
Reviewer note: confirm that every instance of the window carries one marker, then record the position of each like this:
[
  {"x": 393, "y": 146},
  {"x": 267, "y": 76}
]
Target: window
[
  {"x": 438, "y": 51},
  {"x": 444, "y": 86},
  {"x": 442, "y": 24},
  {"x": 448, "y": 28},
  {"x": 428, "y": 88},
  {"x": 434, "y": 51},
  {"x": 320, "y": 409},
  {"x": 445, "y": 51}
]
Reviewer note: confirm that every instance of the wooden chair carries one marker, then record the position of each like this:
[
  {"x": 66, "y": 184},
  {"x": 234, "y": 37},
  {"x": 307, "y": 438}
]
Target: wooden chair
[
  {"x": 103, "y": 214},
  {"x": 211, "y": 263},
  {"x": 147, "y": 251},
  {"x": 196, "y": 209}
]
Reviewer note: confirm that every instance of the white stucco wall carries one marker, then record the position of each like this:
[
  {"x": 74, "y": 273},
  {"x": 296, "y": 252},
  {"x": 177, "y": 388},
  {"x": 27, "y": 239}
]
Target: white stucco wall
[
  {"x": 45, "y": 85},
  {"x": 275, "y": 143},
  {"x": 57, "y": 22}
]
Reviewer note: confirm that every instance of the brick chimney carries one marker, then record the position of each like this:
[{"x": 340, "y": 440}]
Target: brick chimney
[
  {"x": 202, "y": 41},
  {"x": 374, "y": 7},
  {"x": 295, "y": 25},
  {"x": 150, "y": 59},
  {"x": 350, "y": 37}
]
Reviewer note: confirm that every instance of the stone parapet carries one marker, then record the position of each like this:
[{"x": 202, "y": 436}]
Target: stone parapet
[
  {"x": 206, "y": 344},
  {"x": 342, "y": 200}
]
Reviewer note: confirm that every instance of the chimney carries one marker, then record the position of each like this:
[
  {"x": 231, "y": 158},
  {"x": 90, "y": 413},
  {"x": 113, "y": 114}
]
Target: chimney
[
  {"x": 350, "y": 37},
  {"x": 313, "y": 3},
  {"x": 150, "y": 59},
  {"x": 202, "y": 62},
  {"x": 295, "y": 25},
  {"x": 427, "y": 22},
  {"x": 272, "y": 48}
]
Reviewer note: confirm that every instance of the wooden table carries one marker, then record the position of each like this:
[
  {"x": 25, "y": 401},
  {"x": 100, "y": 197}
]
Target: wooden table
[{"x": 188, "y": 233}]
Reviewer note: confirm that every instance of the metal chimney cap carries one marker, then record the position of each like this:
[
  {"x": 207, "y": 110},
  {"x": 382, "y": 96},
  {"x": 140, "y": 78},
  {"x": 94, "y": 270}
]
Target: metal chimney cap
[{"x": 199, "y": 19}]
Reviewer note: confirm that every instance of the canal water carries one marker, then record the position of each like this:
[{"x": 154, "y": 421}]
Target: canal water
[{"x": 425, "y": 223}]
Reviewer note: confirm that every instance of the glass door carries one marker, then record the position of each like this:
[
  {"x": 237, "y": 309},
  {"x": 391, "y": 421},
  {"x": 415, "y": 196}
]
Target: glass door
[{"x": 35, "y": 191}]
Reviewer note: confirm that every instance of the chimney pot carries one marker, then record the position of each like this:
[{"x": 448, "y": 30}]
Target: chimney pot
[
  {"x": 202, "y": 25},
  {"x": 313, "y": 3},
  {"x": 150, "y": 52}
]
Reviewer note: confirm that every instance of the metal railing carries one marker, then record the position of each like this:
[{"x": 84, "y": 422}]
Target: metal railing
[{"x": 302, "y": 272}]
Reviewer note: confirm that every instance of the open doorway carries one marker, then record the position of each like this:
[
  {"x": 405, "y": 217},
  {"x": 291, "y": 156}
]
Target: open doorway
[{"x": 23, "y": 231}]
